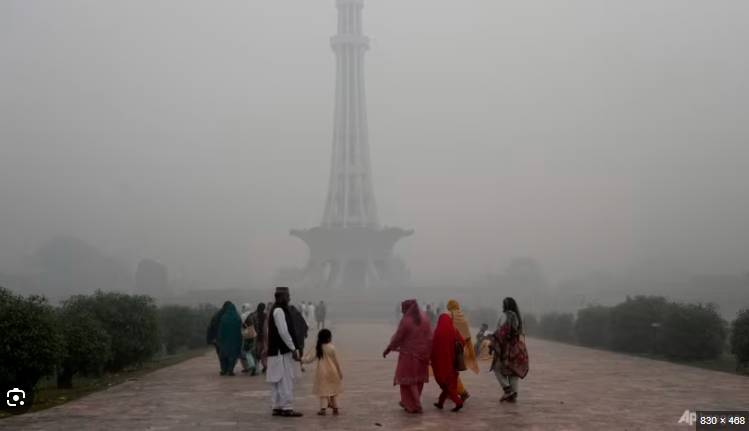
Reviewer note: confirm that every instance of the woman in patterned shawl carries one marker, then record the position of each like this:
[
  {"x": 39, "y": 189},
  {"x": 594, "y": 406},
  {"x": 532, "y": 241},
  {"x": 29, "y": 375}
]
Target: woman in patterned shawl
[{"x": 510, "y": 361}]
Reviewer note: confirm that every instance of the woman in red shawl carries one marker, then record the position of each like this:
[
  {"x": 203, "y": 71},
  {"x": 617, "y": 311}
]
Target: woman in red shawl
[
  {"x": 446, "y": 337},
  {"x": 413, "y": 341}
]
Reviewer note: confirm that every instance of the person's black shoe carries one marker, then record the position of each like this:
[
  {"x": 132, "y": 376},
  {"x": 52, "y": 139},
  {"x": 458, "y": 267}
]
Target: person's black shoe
[
  {"x": 291, "y": 414},
  {"x": 277, "y": 412},
  {"x": 457, "y": 408},
  {"x": 438, "y": 405}
]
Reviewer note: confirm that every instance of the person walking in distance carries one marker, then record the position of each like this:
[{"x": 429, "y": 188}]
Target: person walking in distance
[{"x": 320, "y": 312}]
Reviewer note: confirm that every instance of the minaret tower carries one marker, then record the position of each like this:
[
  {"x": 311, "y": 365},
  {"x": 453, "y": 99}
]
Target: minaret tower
[
  {"x": 351, "y": 200},
  {"x": 350, "y": 249}
]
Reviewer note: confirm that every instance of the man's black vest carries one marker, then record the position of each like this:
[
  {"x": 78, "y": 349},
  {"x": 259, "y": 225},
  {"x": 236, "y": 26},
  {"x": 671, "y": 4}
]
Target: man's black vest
[{"x": 276, "y": 345}]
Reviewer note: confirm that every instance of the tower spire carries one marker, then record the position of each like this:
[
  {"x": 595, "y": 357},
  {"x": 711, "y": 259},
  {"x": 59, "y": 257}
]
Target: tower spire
[{"x": 350, "y": 200}]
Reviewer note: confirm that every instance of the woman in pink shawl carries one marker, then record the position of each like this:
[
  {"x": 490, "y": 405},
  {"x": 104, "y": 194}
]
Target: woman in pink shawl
[{"x": 413, "y": 342}]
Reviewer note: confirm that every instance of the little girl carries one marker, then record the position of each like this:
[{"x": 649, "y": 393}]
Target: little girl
[{"x": 328, "y": 377}]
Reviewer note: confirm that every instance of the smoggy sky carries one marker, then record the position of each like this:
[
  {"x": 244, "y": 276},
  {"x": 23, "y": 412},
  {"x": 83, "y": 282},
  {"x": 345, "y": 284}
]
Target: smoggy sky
[{"x": 592, "y": 135}]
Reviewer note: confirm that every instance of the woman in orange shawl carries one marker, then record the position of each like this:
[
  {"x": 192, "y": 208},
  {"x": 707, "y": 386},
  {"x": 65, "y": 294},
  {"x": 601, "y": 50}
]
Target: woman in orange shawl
[
  {"x": 413, "y": 342},
  {"x": 445, "y": 339},
  {"x": 461, "y": 324}
]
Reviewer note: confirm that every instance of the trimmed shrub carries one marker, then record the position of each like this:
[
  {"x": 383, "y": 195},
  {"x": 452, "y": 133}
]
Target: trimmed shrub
[
  {"x": 740, "y": 338},
  {"x": 30, "y": 343},
  {"x": 632, "y": 322},
  {"x": 130, "y": 320},
  {"x": 176, "y": 323},
  {"x": 203, "y": 315},
  {"x": 692, "y": 332},
  {"x": 592, "y": 326},
  {"x": 86, "y": 344},
  {"x": 184, "y": 327}
]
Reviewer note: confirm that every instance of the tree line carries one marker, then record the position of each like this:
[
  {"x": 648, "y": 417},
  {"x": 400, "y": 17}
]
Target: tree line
[
  {"x": 650, "y": 325},
  {"x": 88, "y": 335}
]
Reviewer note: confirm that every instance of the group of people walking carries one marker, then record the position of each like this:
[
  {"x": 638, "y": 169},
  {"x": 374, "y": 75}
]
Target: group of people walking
[
  {"x": 239, "y": 337},
  {"x": 272, "y": 337},
  {"x": 275, "y": 340},
  {"x": 450, "y": 350}
]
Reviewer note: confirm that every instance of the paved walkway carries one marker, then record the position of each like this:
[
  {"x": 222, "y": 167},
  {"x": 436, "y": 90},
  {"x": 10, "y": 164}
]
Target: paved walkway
[{"x": 568, "y": 388}]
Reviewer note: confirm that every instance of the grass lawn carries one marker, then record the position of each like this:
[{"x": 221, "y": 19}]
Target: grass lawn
[{"x": 47, "y": 394}]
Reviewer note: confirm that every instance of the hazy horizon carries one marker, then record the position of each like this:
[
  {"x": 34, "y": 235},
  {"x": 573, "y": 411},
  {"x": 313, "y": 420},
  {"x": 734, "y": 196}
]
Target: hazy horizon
[{"x": 592, "y": 136}]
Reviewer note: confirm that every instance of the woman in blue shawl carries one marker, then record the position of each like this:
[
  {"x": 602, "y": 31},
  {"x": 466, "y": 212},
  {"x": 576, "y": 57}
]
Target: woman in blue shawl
[{"x": 229, "y": 338}]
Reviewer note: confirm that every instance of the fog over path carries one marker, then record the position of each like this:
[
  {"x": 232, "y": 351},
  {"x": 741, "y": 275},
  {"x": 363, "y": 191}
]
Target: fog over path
[{"x": 568, "y": 388}]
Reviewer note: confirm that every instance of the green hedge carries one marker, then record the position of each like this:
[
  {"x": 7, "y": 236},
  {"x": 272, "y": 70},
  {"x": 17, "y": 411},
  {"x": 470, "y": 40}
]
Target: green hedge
[
  {"x": 647, "y": 324},
  {"x": 87, "y": 346},
  {"x": 131, "y": 322},
  {"x": 593, "y": 326},
  {"x": 740, "y": 338},
  {"x": 184, "y": 327},
  {"x": 89, "y": 334},
  {"x": 30, "y": 344},
  {"x": 692, "y": 332}
]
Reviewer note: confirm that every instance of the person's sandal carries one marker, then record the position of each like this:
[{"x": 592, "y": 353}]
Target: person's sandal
[{"x": 321, "y": 412}]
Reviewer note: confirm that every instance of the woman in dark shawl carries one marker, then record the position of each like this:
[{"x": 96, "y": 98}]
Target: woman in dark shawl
[
  {"x": 413, "y": 342},
  {"x": 444, "y": 343},
  {"x": 510, "y": 361},
  {"x": 229, "y": 338},
  {"x": 212, "y": 332}
]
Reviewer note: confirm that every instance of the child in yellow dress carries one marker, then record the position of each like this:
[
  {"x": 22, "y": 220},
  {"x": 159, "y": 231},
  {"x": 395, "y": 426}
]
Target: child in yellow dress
[{"x": 328, "y": 377}]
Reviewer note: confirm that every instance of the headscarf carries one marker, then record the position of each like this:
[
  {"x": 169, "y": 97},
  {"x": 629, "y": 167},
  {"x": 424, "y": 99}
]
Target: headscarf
[
  {"x": 229, "y": 331},
  {"x": 461, "y": 324},
  {"x": 443, "y": 350},
  {"x": 414, "y": 334}
]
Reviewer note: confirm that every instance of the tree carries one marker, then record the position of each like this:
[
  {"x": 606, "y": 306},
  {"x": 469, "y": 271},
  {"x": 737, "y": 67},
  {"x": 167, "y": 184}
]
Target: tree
[
  {"x": 30, "y": 342},
  {"x": 592, "y": 327},
  {"x": 740, "y": 338},
  {"x": 632, "y": 323},
  {"x": 86, "y": 344},
  {"x": 177, "y": 326},
  {"x": 692, "y": 332},
  {"x": 130, "y": 320}
]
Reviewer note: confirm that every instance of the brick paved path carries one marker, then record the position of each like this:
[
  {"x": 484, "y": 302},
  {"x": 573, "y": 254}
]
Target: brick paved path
[{"x": 568, "y": 388}]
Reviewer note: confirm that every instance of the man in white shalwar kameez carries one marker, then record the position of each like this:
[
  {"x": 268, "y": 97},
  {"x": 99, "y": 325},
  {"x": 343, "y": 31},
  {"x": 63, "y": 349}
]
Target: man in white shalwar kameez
[{"x": 281, "y": 356}]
